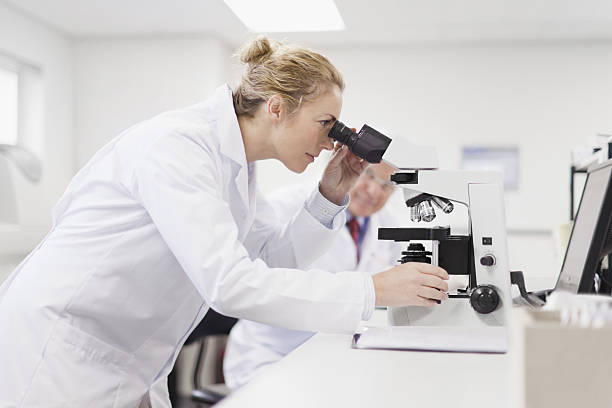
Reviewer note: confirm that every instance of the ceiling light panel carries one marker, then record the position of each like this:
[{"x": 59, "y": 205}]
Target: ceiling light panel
[{"x": 287, "y": 15}]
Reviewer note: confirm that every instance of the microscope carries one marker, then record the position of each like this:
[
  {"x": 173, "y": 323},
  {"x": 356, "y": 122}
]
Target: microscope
[{"x": 481, "y": 255}]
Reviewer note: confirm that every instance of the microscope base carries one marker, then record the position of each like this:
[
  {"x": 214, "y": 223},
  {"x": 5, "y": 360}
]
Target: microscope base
[{"x": 452, "y": 312}]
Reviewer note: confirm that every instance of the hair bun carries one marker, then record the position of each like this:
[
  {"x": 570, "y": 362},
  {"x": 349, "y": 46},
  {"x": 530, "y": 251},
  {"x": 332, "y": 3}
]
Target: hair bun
[{"x": 257, "y": 51}]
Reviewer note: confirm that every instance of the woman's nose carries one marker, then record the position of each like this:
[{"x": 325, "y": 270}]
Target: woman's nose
[{"x": 328, "y": 143}]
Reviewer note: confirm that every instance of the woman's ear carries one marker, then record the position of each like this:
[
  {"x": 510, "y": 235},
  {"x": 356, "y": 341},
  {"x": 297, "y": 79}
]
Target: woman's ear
[{"x": 275, "y": 108}]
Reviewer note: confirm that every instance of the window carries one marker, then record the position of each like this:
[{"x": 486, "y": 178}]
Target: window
[
  {"x": 21, "y": 115},
  {"x": 9, "y": 98}
]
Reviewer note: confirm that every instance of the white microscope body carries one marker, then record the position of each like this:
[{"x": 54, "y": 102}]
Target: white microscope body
[{"x": 486, "y": 301}]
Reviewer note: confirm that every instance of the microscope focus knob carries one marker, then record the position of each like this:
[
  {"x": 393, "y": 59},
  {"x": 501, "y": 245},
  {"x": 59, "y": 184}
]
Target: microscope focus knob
[
  {"x": 484, "y": 299},
  {"x": 487, "y": 260}
]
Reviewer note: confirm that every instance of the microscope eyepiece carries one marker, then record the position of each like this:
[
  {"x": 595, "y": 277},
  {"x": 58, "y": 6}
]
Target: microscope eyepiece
[
  {"x": 368, "y": 144},
  {"x": 342, "y": 133}
]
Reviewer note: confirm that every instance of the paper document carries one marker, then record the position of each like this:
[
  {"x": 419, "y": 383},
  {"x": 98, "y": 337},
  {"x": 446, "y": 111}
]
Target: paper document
[{"x": 426, "y": 338}]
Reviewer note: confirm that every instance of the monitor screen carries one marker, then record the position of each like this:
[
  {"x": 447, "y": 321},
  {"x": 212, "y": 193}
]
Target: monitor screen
[{"x": 586, "y": 231}]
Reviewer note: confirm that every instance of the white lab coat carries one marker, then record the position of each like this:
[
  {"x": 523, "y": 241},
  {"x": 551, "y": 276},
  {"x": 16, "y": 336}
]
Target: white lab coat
[
  {"x": 163, "y": 222},
  {"x": 254, "y": 346}
]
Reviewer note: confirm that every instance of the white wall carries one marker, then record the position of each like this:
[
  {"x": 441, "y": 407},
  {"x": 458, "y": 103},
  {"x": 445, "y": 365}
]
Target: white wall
[
  {"x": 122, "y": 81},
  {"x": 544, "y": 98},
  {"x": 36, "y": 44}
]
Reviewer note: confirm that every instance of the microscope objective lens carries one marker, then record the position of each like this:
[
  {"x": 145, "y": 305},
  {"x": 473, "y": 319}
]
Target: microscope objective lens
[
  {"x": 444, "y": 204},
  {"x": 415, "y": 216},
  {"x": 426, "y": 211}
]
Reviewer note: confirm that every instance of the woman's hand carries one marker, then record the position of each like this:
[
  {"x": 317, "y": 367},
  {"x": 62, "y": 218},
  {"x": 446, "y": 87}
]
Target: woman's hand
[
  {"x": 341, "y": 174},
  {"x": 411, "y": 284}
]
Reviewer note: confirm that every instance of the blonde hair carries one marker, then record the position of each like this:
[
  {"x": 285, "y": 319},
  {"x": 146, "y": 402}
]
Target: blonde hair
[{"x": 294, "y": 73}]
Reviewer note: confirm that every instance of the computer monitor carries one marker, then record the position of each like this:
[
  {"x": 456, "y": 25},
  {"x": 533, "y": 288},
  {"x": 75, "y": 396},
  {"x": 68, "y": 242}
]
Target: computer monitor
[{"x": 591, "y": 237}]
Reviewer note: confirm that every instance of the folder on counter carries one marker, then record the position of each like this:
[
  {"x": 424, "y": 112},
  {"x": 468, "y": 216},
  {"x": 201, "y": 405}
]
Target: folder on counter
[{"x": 427, "y": 338}]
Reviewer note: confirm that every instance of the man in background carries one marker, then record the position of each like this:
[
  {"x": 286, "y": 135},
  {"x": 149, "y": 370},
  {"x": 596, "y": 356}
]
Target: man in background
[{"x": 253, "y": 346}]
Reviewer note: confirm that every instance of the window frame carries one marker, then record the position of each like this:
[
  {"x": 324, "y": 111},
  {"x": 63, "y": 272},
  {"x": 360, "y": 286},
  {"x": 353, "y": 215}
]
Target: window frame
[{"x": 11, "y": 64}]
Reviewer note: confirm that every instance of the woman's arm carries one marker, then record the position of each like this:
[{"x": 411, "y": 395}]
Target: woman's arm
[{"x": 295, "y": 240}]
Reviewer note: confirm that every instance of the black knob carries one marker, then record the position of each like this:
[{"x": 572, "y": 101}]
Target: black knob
[
  {"x": 405, "y": 178},
  {"x": 484, "y": 299},
  {"x": 487, "y": 260}
]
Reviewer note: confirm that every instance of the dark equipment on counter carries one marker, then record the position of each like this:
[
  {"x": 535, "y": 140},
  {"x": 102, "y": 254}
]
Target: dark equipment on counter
[{"x": 586, "y": 266}]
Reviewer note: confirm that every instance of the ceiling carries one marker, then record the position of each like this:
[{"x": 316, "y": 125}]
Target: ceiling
[{"x": 388, "y": 22}]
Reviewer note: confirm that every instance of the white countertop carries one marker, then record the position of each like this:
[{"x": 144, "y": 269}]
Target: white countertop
[{"x": 326, "y": 372}]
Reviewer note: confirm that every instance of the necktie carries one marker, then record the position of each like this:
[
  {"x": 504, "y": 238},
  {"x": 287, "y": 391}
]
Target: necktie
[{"x": 353, "y": 227}]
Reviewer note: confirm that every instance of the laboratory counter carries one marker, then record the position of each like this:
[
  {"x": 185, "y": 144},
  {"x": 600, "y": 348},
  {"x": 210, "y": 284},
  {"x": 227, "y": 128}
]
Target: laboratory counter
[{"x": 326, "y": 372}]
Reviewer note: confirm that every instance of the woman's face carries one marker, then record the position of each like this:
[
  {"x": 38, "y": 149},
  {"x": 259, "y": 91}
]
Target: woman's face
[{"x": 303, "y": 135}]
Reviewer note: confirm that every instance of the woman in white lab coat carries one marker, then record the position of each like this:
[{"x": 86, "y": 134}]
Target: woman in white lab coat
[{"x": 165, "y": 221}]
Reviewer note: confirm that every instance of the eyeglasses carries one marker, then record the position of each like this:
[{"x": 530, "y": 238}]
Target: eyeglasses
[{"x": 386, "y": 185}]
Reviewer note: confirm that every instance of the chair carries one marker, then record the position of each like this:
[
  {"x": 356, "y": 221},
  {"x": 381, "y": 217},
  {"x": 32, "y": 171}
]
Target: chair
[{"x": 213, "y": 324}]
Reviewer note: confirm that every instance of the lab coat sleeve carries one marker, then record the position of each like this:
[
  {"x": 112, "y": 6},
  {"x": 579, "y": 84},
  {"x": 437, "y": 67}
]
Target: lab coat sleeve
[
  {"x": 177, "y": 182},
  {"x": 296, "y": 243}
]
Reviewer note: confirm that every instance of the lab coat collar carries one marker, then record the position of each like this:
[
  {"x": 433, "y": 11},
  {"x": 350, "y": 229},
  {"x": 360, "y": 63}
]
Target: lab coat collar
[
  {"x": 231, "y": 144},
  {"x": 230, "y": 137}
]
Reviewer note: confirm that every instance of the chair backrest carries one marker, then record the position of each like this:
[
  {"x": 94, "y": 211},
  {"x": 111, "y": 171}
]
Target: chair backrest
[{"x": 213, "y": 323}]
